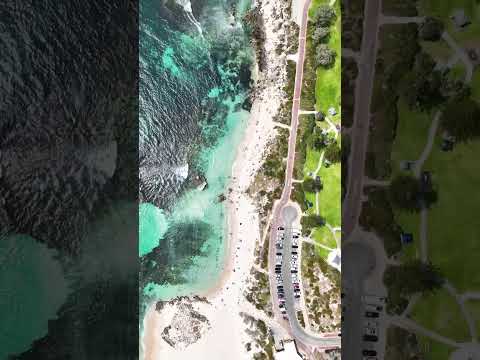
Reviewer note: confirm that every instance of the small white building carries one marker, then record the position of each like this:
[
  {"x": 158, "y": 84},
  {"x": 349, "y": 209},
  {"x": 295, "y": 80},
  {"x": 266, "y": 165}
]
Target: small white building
[
  {"x": 332, "y": 111},
  {"x": 289, "y": 352},
  {"x": 335, "y": 259}
]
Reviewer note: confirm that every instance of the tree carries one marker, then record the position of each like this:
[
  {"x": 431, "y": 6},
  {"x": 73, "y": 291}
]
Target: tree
[
  {"x": 414, "y": 277},
  {"x": 462, "y": 119},
  {"x": 324, "y": 56},
  {"x": 333, "y": 153},
  {"x": 311, "y": 221},
  {"x": 320, "y": 140},
  {"x": 422, "y": 87},
  {"x": 431, "y": 29},
  {"x": 324, "y": 16},
  {"x": 404, "y": 193},
  {"x": 320, "y": 34},
  {"x": 312, "y": 185}
]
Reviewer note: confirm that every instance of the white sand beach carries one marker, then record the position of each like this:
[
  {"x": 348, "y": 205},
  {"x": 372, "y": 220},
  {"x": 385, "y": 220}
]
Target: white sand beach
[{"x": 225, "y": 337}]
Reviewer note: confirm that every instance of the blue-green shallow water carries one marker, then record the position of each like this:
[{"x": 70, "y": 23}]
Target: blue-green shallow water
[
  {"x": 27, "y": 267},
  {"x": 194, "y": 79}
]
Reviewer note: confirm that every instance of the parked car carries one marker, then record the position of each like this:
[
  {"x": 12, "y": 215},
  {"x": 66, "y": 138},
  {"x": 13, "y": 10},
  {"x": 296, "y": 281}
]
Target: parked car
[
  {"x": 371, "y": 323},
  {"x": 371, "y": 314},
  {"x": 281, "y": 228},
  {"x": 367, "y": 352},
  {"x": 371, "y": 331},
  {"x": 374, "y": 299},
  {"x": 372, "y": 338},
  {"x": 293, "y": 271}
]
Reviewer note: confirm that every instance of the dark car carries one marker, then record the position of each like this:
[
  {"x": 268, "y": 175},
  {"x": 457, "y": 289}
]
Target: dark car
[
  {"x": 294, "y": 253},
  {"x": 281, "y": 228},
  {"x": 295, "y": 246},
  {"x": 369, "y": 352},
  {"x": 281, "y": 296},
  {"x": 371, "y": 314},
  {"x": 370, "y": 338},
  {"x": 297, "y": 296}
]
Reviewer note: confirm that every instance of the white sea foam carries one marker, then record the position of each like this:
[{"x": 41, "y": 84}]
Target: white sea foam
[
  {"x": 181, "y": 171},
  {"x": 187, "y": 6}
]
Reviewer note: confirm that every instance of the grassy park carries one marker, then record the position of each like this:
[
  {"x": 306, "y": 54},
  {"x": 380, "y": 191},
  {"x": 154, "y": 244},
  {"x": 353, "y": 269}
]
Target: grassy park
[
  {"x": 448, "y": 320},
  {"x": 324, "y": 82},
  {"x": 456, "y": 174}
]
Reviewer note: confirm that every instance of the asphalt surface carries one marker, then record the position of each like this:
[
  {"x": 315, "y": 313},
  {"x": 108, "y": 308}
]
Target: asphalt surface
[
  {"x": 287, "y": 189},
  {"x": 363, "y": 95},
  {"x": 296, "y": 330},
  {"x": 289, "y": 215},
  {"x": 358, "y": 261}
]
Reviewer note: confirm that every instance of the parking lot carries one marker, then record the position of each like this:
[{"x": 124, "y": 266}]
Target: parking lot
[
  {"x": 371, "y": 314},
  {"x": 287, "y": 269}
]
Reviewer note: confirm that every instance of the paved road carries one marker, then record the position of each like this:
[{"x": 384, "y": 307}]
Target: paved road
[
  {"x": 358, "y": 263},
  {"x": 287, "y": 188},
  {"x": 297, "y": 331},
  {"x": 280, "y": 217},
  {"x": 289, "y": 216},
  {"x": 363, "y": 95}
]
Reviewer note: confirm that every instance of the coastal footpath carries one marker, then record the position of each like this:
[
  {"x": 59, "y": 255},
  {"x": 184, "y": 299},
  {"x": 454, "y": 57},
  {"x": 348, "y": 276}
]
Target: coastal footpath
[{"x": 222, "y": 318}]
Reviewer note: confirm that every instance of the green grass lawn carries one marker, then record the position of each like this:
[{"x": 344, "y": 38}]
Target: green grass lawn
[
  {"x": 456, "y": 175},
  {"x": 329, "y": 197},
  {"x": 324, "y": 236},
  {"x": 311, "y": 162},
  {"x": 473, "y": 307},
  {"x": 322, "y": 252},
  {"x": 411, "y": 135},
  {"x": 433, "y": 350},
  {"x": 438, "y": 50},
  {"x": 440, "y": 312},
  {"x": 457, "y": 72},
  {"x": 310, "y": 197},
  {"x": 410, "y": 140},
  {"x": 445, "y": 8},
  {"x": 328, "y": 84},
  {"x": 475, "y": 85},
  {"x": 409, "y": 223}
]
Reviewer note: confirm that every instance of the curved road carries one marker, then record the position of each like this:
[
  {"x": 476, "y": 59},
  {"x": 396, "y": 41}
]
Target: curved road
[{"x": 297, "y": 331}]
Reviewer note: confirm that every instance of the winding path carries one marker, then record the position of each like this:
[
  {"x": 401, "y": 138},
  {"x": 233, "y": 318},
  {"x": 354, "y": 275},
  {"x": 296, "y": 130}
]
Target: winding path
[
  {"x": 462, "y": 54},
  {"x": 297, "y": 331}
]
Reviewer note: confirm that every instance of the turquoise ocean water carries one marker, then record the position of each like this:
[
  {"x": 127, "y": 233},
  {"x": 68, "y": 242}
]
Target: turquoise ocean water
[{"x": 195, "y": 61}]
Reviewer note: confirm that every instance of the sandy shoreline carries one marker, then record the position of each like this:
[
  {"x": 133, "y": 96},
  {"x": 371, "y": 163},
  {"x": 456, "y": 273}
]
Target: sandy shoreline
[{"x": 226, "y": 336}]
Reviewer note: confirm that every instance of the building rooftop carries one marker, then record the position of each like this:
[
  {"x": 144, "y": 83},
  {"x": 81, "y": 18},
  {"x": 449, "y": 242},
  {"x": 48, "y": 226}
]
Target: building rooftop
[{"x": 289, "y": 352}]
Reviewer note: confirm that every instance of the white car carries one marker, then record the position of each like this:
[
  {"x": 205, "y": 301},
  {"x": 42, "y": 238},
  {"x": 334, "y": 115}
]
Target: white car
[
  {"x": 371, "y": 331},
  {"x": 371, "y": 323},
  {"x": 278, "y": 260}
]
